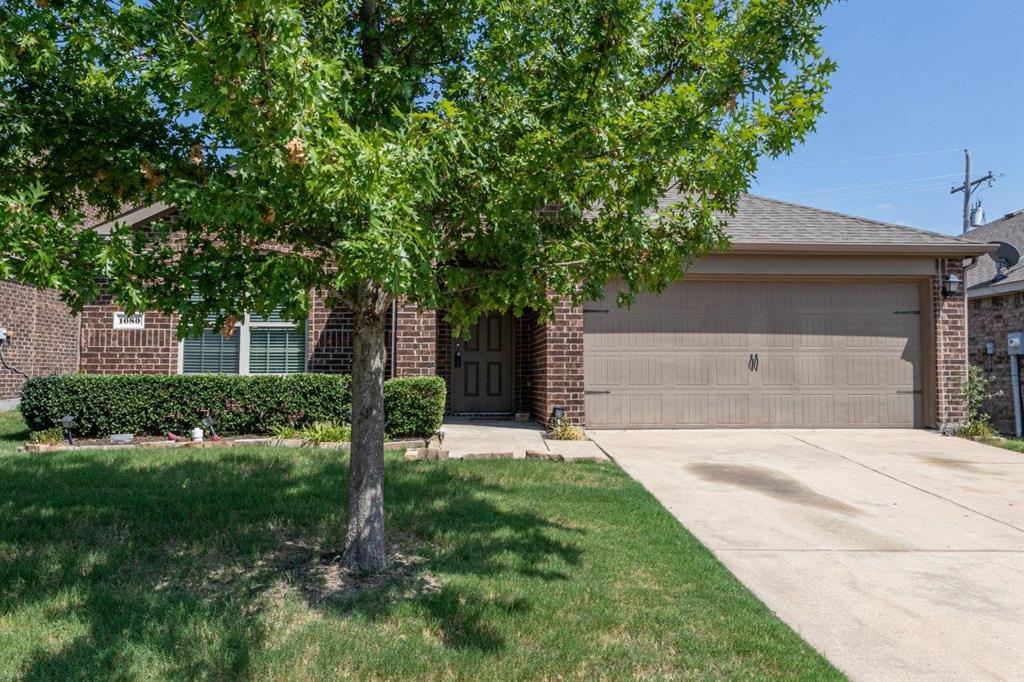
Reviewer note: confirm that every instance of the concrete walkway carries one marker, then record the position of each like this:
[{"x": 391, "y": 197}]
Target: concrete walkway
[
  {"x": 464, "y": 438},
  {"x": 897, "y": 554}
]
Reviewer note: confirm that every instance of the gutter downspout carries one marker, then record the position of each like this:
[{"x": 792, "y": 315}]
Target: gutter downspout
[{"x": 1018, "y": 420}]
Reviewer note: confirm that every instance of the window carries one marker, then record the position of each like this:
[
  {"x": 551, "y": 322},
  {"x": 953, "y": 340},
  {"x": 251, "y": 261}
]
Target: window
[
  {"x": 259, "y": 345},
  {"x": 211, "y": 353}
]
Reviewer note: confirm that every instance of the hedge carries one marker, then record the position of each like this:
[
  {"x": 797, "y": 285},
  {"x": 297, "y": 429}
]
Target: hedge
[
  {"x": 149, "y": 404},
  {"x": 414, "y": 406}
]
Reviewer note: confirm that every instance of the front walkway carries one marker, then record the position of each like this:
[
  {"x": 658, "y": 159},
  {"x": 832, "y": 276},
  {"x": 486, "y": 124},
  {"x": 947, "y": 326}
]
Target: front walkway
[
  {"x": 469, "y": 438},
  {"x": 898, "y": 554}
]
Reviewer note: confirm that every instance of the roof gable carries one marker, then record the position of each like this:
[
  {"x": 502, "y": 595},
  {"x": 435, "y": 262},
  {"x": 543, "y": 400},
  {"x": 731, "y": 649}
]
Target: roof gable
[{"x": 1009, "y": 229}]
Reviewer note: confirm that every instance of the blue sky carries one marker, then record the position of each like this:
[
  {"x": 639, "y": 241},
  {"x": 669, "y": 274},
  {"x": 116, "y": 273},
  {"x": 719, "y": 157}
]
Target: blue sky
[{"x": 918, "y": 81}]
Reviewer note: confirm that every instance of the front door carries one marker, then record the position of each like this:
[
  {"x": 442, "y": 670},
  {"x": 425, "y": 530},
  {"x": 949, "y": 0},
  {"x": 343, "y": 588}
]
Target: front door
[{"x": 482, "y": 367}]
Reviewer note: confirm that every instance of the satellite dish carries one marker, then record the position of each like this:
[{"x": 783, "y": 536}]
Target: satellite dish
[{"x": 1006, "y": 256}]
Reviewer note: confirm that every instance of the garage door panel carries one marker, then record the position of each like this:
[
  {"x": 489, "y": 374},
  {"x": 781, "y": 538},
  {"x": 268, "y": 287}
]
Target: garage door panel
[
  {"x": 818, "y": 409},
  {"x": 780, "y": 409},
  {"x": 778, "y": 370},
  {"x": 691, "y": 410},
  {"x": 692, "y": 370},
  {"x": 732, "y": 409},
  {"x": 815, "y": 370},
  {"x": 604, "y": 371},
  {"x": 828, "y": 354},
  {"x": 732, "y": 370}
]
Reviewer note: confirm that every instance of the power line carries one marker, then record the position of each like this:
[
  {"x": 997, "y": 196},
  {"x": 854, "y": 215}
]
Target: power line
[
  {"x": 887, "y": 193},
  {"x": 876, "y": 184},
  {"x": 863, "y": 158}
]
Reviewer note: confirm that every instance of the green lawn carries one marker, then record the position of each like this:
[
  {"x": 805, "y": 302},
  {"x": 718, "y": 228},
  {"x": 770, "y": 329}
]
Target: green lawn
[
  {"x": 184, "y": 564},
  {"x": 1015, "y": 444}
]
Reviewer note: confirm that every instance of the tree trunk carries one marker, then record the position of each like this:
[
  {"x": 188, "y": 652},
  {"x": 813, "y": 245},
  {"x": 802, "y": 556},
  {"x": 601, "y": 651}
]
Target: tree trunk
[{"x": 365, "y": 543}]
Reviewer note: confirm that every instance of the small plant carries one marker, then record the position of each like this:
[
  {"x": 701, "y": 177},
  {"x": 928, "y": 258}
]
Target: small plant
[
  {"x": 326, "y": 432},
  {"x": 563, "y": 429},
  {"x": 50, "y": 436},
  {"x": 282, "y": 431},
  {"x": 976, "y": 392}
]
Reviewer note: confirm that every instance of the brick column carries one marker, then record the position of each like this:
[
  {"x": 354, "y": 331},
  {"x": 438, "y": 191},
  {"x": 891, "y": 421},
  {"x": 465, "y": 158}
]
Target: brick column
[
  {"x": 950, "y": 315},
  {"x": 558, "y": 365},
  {"x": 415, "y": 341}
]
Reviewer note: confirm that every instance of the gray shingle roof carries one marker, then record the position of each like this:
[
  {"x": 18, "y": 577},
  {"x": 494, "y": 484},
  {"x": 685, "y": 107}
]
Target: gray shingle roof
[
  {"x": 763, "y": 224},
  {"x": 762, "y": 221},
  {"x": 1009, "y": 229}
]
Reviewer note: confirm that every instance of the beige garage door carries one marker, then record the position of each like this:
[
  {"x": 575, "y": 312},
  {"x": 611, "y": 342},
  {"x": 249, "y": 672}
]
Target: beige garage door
[{"x": 735, "y": 354}]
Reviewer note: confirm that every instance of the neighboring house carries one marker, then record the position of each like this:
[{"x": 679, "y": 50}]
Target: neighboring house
[
  {"x": 812, "y": 318},
  {"x": 996, "y": 308}
]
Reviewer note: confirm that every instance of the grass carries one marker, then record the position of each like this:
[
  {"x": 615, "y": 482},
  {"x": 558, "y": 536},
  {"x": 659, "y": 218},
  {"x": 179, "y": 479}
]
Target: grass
[
  {"x": 212, "y": 564},
  {"x": 1015, "y": 444}
]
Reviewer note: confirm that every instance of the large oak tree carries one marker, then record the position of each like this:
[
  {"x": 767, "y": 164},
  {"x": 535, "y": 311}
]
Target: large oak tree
[{"x": 466, "y": 155}]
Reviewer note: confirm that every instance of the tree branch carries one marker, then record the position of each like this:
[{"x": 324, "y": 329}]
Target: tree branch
[{"x": 370, "y": 40}]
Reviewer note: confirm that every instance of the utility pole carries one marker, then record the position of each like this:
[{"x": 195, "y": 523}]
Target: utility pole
[{"x": 968, "y": 188}]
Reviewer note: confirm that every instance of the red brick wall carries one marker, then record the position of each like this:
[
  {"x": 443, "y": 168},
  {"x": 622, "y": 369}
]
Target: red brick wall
[
  {"x": 45, "y": 335},
  {"x": 522, "y": 381},
  {"x": 991, "y": 319},
  {"x": 950, "y": 316},
  {"x": 328, "y": 337},
  {"x": 105, "y": 350},
  {"x": 415, "y": 341},
  {"x": 154, "y": 350},
  {"x": 558, "y": 365},
  {"x": 443, "y": 357}
]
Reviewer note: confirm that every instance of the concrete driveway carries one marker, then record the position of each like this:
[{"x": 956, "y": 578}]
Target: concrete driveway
[{"x": 897, "y": 554}]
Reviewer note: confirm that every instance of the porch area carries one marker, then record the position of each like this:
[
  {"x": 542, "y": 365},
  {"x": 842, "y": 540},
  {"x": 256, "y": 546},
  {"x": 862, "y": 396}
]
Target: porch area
[
  {"x": 469, "y": 438},
  {"x": 510, "y": 368}
]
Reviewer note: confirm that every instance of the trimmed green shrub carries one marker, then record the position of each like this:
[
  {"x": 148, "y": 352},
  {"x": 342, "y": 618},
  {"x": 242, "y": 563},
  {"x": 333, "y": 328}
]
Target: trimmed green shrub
[
  {"x": 153, "y": 404},
  {"x": 414, "y": 406}
]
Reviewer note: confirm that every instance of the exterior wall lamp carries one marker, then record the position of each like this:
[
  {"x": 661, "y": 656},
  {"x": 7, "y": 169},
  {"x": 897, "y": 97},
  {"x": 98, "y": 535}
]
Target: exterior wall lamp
[{"x": 951, "y": 286}]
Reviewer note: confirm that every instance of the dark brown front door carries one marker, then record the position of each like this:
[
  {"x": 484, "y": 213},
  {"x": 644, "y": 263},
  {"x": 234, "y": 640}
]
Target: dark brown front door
[{"x": 482, "y": 367}]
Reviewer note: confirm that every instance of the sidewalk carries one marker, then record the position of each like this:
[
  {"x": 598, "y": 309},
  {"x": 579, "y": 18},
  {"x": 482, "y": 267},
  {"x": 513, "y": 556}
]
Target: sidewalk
[{"x": 484, "y": 438}]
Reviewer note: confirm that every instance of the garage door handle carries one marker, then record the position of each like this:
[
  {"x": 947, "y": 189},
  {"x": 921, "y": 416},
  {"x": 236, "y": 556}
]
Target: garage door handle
[{"x": 753, "y": 362}]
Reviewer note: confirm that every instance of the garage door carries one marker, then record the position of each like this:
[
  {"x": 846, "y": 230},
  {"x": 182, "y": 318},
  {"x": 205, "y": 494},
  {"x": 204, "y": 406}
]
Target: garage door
[{"x": 735, "y": 354}]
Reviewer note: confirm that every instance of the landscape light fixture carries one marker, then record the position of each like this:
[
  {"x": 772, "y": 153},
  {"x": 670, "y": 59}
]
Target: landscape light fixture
[
  {"x": 67, "y": 422},
  {"x": 951, "y": 286},
  {"x": 558, "y": 413},
  {"x": 209, "y": 422}
]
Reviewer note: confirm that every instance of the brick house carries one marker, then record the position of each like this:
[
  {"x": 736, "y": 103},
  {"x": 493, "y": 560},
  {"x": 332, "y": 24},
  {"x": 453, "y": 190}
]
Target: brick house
[
  {"x": 996, "y": 308},
  {"x": 812, "y": 318},
  {"x": 43, "y": 336}
]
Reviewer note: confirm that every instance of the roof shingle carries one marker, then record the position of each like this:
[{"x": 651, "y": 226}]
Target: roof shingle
[
  {"x": 761, "y": 221},
  {"x": 1009, "y": 229}
]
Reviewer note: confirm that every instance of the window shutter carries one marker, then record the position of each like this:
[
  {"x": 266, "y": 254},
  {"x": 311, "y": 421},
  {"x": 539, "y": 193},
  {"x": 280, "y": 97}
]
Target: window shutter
[
  {"x": 276, "y": 350},
  {"x": 275, "y": 316},
  {"x": 210, "y": 353}
]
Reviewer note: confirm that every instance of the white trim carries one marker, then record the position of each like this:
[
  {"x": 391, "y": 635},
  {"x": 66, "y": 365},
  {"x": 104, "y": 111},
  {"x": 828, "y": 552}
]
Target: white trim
[
  {"x": 133, "y": 217},
  {"x": 243, "y": 345}
]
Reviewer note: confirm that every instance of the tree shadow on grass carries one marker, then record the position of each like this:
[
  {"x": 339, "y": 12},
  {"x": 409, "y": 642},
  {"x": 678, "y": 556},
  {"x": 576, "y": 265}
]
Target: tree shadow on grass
[
  {"x": 165, "y": 560},
  {"x": 12, "y": 438}
]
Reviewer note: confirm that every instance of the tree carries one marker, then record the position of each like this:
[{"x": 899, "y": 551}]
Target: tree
[{"x": 465, "y": 155}]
